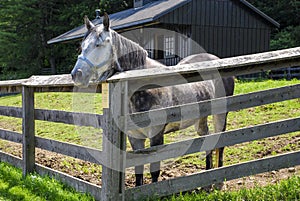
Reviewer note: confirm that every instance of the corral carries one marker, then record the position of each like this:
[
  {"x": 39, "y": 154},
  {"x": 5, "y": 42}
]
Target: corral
[{"x": 120, "y": 85}]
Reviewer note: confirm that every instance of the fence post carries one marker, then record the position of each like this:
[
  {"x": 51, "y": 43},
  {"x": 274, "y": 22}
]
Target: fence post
[
  {"x": 28, "y": 129},
  {"x": 114, "y": 146}
]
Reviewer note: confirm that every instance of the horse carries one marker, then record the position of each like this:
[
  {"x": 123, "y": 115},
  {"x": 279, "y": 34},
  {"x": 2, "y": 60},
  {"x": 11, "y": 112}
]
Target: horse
[{"x": 104, "y": 52}]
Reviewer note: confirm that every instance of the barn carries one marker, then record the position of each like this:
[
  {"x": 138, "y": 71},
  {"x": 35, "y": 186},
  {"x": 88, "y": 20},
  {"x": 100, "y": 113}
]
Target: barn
[{"x": 173, "y": 29}]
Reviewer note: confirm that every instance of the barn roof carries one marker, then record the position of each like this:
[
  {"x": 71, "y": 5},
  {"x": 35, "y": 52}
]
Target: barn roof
[
  {"x": 128, "y": 18},
  {"x": 143, "y": 15}
]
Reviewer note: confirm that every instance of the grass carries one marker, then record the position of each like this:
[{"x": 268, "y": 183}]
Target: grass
[
  {"x": 82, "y": 102},
  {"x": 286, "y": 190},
  {"x": 14, "y": 187}
]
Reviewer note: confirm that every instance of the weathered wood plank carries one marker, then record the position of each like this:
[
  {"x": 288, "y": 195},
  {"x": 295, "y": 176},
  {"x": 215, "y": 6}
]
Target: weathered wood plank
[
  {"x": 76, "y": 118},
  {"x": 210, "y": 107},
  {"x": 228, "y": 66},
  {"x": 76, "y": 151},
  {"x": 13, "y": 160},
  {"x": 79, "y": 185},
  {"x": 11, "y": 136},
  {"x": 11, "y": 86},
  {"x": 181, "y": 184},
  {"x": 28, "y": 130},
  {"x": 163, "y": 80},
  {"x": 11, "y": 111},
  {"x": 114, "y": 145},
  {"x": 49, "y": 80},
  {"x": 52, "y": 83},
  {"x": 211, "y": 142}
]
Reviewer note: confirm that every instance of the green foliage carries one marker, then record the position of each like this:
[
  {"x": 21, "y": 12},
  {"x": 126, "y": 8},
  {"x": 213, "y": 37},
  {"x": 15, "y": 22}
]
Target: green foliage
[
  {"x": 27, "y": 25},
  {"x": 113, "y": 6},
  {"x": 287, "y": 13},
  {"x": 283, "y": 39},
  {"x": 25, "y": 28}
]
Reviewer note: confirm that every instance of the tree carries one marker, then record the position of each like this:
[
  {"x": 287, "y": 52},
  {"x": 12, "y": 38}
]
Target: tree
[
  {"x": 287, "y": 13},
  {"x": 25, "y": 27},
  {"x": 19, "y": 41},
  {"x": 113, "y": 6}
]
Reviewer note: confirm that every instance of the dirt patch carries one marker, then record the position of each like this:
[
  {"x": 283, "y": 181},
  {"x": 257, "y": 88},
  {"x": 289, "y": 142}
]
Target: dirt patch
[
  {"x": 261, "y": 179},
  {"x": 92, "y": 173}
]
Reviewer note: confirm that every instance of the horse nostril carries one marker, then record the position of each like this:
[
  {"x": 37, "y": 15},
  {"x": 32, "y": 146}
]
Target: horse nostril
[{"x": 76, "y": 74}]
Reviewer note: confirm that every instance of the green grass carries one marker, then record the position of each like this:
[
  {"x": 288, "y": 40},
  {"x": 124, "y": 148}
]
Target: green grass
[
  {"x": 251, "y": 86},
  {"x": 14, "y": 187},
  {"x": 286, "y": 190}
]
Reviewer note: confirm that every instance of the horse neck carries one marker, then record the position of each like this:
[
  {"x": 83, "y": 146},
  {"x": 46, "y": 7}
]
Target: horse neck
[{"x": 129, "y": 54}]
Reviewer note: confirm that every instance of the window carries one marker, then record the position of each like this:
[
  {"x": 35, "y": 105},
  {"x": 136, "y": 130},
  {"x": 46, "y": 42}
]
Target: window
[
  {"x": 149, "y": 46},
  {"x": 169, "y": 48}
]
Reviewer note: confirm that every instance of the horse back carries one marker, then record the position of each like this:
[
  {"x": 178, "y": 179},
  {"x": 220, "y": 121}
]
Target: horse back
[{"x": 227, "y": 82}]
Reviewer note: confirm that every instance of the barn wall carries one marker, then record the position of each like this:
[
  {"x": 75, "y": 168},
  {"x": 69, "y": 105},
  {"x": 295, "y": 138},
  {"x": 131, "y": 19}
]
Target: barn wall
[{"x": 223, "y": 27}]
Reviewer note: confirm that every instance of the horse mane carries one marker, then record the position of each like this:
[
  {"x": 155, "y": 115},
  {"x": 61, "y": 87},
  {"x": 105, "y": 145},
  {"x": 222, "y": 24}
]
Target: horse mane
[{"x": 130, "y": 55}]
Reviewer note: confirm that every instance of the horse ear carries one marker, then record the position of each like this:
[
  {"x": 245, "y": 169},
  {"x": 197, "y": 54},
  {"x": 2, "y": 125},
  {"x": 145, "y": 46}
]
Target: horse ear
[
  {"x": 106, "y": 21},
  {"x": 88, "y": 24}
]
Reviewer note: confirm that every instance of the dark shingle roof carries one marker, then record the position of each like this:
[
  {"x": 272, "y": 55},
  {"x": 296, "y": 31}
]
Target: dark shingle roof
[
  {"x": 128, "y": 18},
  {"x": 143, "y": 15}
]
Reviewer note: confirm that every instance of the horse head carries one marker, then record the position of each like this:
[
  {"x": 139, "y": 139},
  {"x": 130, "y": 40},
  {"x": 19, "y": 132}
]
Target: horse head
[{"x": 97, "y": 54}]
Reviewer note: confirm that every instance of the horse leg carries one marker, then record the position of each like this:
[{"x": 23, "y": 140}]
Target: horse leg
[
  {"x": 220, "y": 121},
  {"x": 139, "y": 170},
  {"x": 202, "y": 129},
  {"x": 155, "y": 167}
]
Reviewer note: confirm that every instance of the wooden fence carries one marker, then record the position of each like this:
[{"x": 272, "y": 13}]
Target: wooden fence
[
  {"x": 116, "y": 120},
  {"x": 285, "y": 73}
]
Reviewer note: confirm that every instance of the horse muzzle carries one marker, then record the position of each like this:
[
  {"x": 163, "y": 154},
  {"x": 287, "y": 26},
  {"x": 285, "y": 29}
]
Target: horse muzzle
[{"x": 79, "y": 78}]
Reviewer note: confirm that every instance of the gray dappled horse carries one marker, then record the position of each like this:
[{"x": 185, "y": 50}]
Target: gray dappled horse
[{"x": 105, "y": 52}]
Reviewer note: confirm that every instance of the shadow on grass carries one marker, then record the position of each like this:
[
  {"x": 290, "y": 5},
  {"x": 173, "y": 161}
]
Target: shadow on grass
[{"x": 33, "y": 187}]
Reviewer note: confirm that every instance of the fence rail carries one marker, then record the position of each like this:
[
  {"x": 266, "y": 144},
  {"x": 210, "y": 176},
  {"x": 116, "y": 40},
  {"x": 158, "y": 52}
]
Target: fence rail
[
  {"x": 116, "y": 119},
  {"x": 287, "y": 73},
  {"x": 181, "y": 184},
  {"x": 204, "y": 108},
  {"x": 227, "y": 138},
  {"x": 81, "y": 152},
  {"x": 75, "y": 118}
]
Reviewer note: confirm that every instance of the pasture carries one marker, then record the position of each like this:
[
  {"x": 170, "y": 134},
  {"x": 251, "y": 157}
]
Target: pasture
[
  {"x": 171, "y": 168},
  {"x": 34, "y": 187}
]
